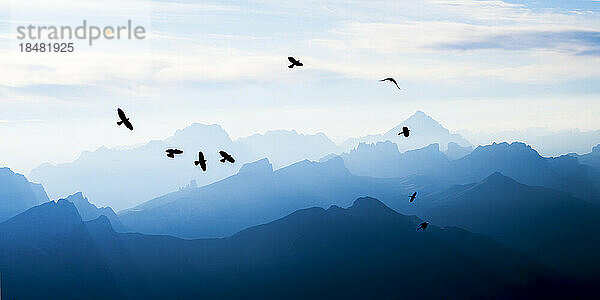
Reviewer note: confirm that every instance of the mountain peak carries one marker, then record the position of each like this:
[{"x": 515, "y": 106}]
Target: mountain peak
[
  {"x": 203, "y": 131},
  {"x": 497, "y": 179},
  {"x": 369, "y": 205},
  {"x": 419, "y": 122},
  {"x": 261, "y": 166}
]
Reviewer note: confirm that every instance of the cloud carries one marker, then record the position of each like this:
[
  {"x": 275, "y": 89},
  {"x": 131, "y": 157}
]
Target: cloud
[{"x": 571, "y": 41}]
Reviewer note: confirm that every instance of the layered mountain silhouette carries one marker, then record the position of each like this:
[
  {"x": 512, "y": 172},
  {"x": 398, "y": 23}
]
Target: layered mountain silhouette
[
  {"x": 17, "y": 194},
  {"x": 384, "y": 160},
  {"x": 546, "y": 141},
  {"x": 591, "y": 159},
  {"x": 366, "y": 250},
  {"x": 125, "y": 178},
  {"x": 257, "y": 194},
  {"x": 522, "y": 163},
  {"x": 456, "y": 151},
  {"x": 284, "y": 147},
  {"x": 47, "y": 252},
  {"x": 89, "y": 211},
  {"x": 424, "y": 131},
  {"x": 549, "y": 225}
]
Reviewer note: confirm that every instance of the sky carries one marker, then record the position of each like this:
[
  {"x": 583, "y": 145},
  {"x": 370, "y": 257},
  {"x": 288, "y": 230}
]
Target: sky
[{"x": 482, "y": 66}]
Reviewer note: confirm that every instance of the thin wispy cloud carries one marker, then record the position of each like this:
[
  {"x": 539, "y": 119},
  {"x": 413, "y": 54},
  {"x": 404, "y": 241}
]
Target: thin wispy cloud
[{"x": 571, "y": 41}]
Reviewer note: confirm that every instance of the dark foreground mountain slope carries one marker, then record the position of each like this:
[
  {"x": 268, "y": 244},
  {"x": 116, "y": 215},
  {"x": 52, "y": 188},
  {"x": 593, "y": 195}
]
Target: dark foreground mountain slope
[
  {"x": 17, "y": 194},
  {"x": 551, "y": 226},
  {"x": 47, "y": 252},
  {"x": 364, "y": 251},
  {"x": 257, "y": 195}
]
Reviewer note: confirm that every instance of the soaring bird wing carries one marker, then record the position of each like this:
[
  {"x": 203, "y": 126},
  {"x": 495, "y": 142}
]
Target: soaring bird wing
[
  {"x": 230, "y": 159},
  {"x": 292, "y": 60},
  {"x": 200, "y": 156},
  {"x": 414, "y": 194},
  {"x": 391, "y": 80},
  {"x": 121, "y": 114},
  {"x": 128, "y": 124},
  {"x": 177, "y": 151},
  {"x": 223, "y": 154}
]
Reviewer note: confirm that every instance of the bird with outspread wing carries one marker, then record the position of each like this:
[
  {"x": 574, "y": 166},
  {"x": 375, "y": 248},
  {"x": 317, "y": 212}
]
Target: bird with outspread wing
[
  {"x": 201, "y": 161},
  {"x": 294, "y": 62},
  {"x": 413, "y": 196},
  {"x": 390, "y": 79},
  {"x": 124, "y": 119},
  {"x": 171, "y": 152},
  {"x": 226, "y": 157}
]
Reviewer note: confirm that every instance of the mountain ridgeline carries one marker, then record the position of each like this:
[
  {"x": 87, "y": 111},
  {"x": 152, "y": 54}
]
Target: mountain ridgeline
[
  {"x": 126, "y": 178},
  {"x": 302, "y": 255},
  {"x": 296, "y": 216},
  {"x": 17, "y": 194}
]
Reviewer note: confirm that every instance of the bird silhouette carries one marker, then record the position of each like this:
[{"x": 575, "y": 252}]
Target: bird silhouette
[
  {"x": 413, "y": 196},
  {"x": 391, "y": 80},
  {"x": 171, "y": 152},
  {"x": 201, "y": 161},
  {"x": 124, "y": 119},
  {"x": 405, "y": 131},
  {"x": 423, "y": 226},
  {"x": 294, "y": 62},
  {"x": 226, "y": 157}
]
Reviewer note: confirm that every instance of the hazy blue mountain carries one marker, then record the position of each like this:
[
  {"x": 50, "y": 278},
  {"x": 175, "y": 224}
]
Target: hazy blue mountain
[
  {"x": 384, "y": 160},
  {"x": 17, "y": 194},
  {"x": 123, "y": 178},
  {"x": 591, "y": 159},
  {"x": 257, "y": 194},
  {"x": 456, "y": 151},
  {"x": 366, "y": 250},
  {"x": 424, "y": 131},
  {"x": 47, "y": 252},
  {"x": 524, "y": 164},
  {"x": 284, "y": 147},
  {"x": 89, "y": 211},
  {"x": 551, "y": 226},
  {"x": 546, "y": 141}
]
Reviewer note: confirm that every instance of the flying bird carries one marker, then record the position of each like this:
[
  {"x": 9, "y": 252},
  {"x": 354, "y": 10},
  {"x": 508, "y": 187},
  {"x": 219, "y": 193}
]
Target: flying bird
[
  {"x": 171, "y": 152},
  {"x": 405, "y": 131},
  {"x": 294, "y": 62},
  {"x": 226, "y": 157},
  {"x": 423, "y": 226},
  {"x": 412, "y": 197},
  {"x": 201, "y": 161},
  {"x": 392, "y": 80},
  {"x": 124, "y": 119}
]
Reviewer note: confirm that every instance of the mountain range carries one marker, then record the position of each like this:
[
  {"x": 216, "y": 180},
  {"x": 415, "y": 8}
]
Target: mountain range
[
  {"x": 89, "y": 211},
  {"x": 123, "y": 178},
  {"x": 258, "y": 194},
  {"x": 522, "y": 163},
  {"x": 365, "y": 250},
  {"x": 424, "y": 130},
  {"x": 546, "y": 141},
  {"x": 554, "y": 227}
]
